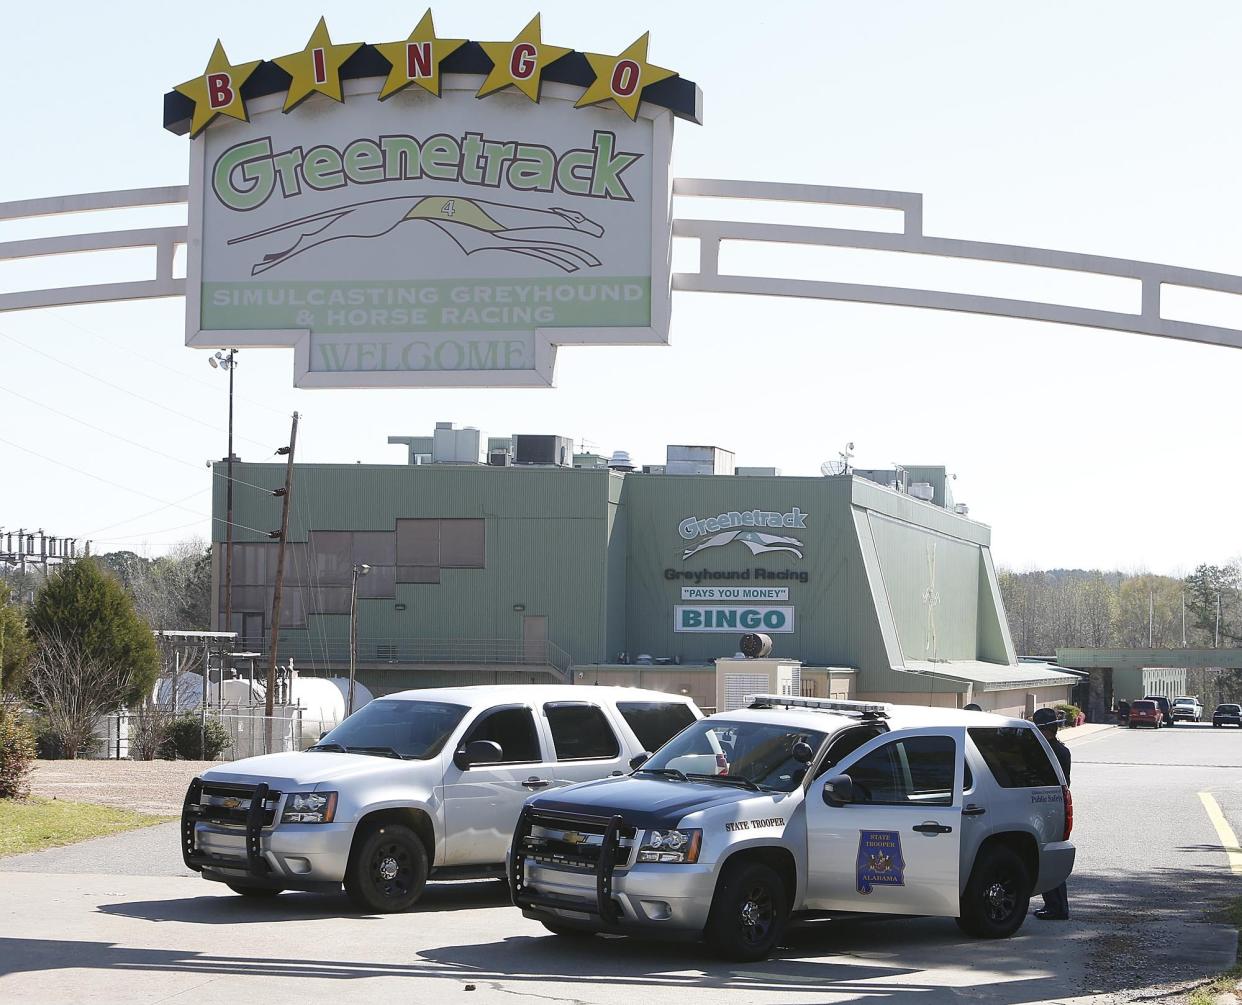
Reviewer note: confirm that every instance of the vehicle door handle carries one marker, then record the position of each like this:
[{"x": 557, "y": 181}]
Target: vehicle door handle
[
  {"x": 973, "y": 811},
  {"x": 932, "y": 828},
  {"x": 536, "y": 783}
]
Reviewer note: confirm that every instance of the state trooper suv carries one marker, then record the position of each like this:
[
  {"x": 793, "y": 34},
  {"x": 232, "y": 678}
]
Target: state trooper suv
[
  {"x": 417, "y": 785},
  {"x": 799, "y": 806}
]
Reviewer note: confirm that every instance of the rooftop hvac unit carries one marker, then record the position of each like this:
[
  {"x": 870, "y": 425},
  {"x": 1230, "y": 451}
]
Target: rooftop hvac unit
[
  {"x": 500, "y": 459},
  {"x": 549, "y": 450},
  {"x": 922, "y": 490},
  {"x": 961, "y": 509},
  {"x": 620, "y": 461}
]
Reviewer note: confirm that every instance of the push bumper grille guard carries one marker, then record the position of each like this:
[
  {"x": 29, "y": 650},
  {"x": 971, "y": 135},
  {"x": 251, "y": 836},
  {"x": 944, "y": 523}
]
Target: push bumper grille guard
[
  {"x": 604, "y": 905},
  {"x": 254, "y": 818}
]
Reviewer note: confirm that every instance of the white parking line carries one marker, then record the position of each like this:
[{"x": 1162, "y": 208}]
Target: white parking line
[{"x": 1228, "y": 840}]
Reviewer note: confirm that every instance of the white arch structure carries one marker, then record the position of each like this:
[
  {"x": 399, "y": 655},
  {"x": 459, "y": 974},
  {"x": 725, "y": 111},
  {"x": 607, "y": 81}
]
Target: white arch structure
[{"x": 710, "y": 234}]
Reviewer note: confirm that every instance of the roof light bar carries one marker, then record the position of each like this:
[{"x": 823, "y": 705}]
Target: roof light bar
[{"x": 824, "y": 704}]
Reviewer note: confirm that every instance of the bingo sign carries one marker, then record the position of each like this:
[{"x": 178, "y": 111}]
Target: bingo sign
[
  {"x": 777, "y": 620},
  {"x": 432, "y": 211}
]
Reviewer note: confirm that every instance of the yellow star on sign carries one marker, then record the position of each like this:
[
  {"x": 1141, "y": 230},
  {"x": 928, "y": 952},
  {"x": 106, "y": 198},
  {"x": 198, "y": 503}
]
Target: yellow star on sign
[
  {"x": 417, "y": 59},
  {"x": 218, "y": 90},
  {"x": 520, "y": 62},
  {"x": 622, "y": 78},
  {"x": 317, "y": 68}
]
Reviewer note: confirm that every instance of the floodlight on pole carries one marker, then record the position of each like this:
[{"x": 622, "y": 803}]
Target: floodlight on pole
[
  {"x": 359, "y": 570},
  {"x": 228, "y": 362}
]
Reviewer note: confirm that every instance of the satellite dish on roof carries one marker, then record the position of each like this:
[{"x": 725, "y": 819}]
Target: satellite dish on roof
[{"x": 829, "y": 468}]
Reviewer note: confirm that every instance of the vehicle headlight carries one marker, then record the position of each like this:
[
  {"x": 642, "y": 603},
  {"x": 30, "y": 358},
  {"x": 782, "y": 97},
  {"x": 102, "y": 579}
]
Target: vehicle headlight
[
  {"x": 671, "y": 846},
  {"x": 309, "y": 808}
]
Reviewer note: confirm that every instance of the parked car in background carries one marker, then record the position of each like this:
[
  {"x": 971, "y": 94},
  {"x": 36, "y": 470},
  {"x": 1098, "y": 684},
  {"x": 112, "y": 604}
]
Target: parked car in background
[
  {"x": 1145, "y": 713},
  {"x": 1165, "y": 706},
  {"x": 1188, "y": 709},
  {"x": 1227, "y": 715}
]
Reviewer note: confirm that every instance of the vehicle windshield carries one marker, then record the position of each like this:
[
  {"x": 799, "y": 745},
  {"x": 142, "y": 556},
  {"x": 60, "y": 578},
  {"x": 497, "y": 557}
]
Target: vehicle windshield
[
  {"x": 1143, "y": 706},
  {"x": 388, "y": 727},
  {"x": 1183, "y": 701},
  {"x": 747, "y": 753},
  {"x": 1233, "y": 709}
]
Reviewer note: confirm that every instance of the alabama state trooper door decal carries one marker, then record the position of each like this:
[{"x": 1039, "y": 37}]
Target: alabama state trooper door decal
[{"x": 879, "y": 860}]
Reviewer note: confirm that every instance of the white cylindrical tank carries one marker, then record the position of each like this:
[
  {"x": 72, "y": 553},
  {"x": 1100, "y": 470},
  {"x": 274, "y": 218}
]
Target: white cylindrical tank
[
  {"x": 189, "y": 691},
  {"x": 322, "y": 704},
  {"x": 362, "y": 694}
]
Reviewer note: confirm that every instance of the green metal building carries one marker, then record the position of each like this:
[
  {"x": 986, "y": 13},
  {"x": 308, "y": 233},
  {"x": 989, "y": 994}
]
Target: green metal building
[{"x": 547, "y": 571}]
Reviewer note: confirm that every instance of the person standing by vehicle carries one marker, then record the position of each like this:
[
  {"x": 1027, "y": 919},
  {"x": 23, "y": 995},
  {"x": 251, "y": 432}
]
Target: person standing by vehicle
[{"x": 1056, "y": 902}]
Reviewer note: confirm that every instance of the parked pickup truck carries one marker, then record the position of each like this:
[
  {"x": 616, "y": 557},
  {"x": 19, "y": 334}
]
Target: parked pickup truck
[
  {"x": 1187, "y": 709},
  {"x": 416, "y": 785}
]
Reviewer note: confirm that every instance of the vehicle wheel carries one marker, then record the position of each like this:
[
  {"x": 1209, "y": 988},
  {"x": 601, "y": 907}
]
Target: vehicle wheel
[
  {"x": 997, "y": 895},
  {"x": 748, "y": 913},
  {"x": 387, "y": 870},
  {"x": 258, "y": 892},
  {"x": 567, "y": 930}
]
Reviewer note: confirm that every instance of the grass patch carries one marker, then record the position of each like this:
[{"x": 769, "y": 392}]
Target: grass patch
[
  {"x": 1229, "y": 912},
  {"x": 35, "y": 824},
  {"x": 1206, "y": 995}
]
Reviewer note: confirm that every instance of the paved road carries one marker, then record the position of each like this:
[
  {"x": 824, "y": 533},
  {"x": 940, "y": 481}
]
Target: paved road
[{"x": 118, "y": 920}]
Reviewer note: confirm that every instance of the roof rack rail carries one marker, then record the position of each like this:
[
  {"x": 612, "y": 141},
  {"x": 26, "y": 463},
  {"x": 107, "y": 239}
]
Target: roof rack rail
[{"x": 867, "y": 709}]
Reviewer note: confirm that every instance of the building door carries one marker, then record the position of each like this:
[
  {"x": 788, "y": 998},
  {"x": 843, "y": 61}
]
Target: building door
[{"x": 535, "y": 638}]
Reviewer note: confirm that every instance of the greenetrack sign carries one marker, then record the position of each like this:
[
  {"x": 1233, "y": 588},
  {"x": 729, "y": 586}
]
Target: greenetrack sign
[{"x": 423, "y": 241}]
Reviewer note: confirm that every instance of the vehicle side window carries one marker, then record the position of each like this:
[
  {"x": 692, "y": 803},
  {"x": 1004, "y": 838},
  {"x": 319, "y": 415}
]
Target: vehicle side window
[
  {"x": 655, "y": 722},
  {"x": 513, "y": 729},
  {"x": 1015, "y": 756},
  {"x": 844, "y": 744},
  {"x": 914, "y": 771},
  {"x": 580, "y": 732}
]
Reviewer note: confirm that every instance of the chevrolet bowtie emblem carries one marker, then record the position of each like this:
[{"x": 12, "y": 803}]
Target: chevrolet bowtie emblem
[{"x": 573, "y": 837}]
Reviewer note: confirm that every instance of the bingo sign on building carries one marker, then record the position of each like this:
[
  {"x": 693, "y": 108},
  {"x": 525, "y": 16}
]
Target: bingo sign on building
[{"x": 430, "y": 211}]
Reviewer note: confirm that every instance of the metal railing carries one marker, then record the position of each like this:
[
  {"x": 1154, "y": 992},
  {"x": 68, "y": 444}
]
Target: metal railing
[{"x": 488, "y": 652}]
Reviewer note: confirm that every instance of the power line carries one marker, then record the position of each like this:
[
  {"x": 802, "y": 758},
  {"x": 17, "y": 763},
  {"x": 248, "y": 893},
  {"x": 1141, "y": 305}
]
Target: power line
[
  {"x": 125, "y": 488},
  {"x": 117, "y": 387},
  {"x": 124, "y": 439},
  {"x": 163, "y": 366}
]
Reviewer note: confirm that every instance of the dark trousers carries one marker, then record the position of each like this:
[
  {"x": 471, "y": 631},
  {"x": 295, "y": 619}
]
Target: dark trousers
[{"x": 1056, "y": 902}]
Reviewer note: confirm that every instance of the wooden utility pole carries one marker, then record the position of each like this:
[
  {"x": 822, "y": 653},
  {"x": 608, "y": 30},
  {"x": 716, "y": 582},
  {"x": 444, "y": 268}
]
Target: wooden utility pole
[{"x": 285, "y": 494}]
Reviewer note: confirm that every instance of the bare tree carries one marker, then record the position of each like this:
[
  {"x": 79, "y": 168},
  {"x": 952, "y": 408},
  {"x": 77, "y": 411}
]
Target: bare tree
[{"x": 73, "y": 689}]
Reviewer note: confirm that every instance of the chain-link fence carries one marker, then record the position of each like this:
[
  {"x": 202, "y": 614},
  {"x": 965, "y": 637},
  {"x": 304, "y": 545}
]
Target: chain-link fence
[{"x": 222, "y": 735}]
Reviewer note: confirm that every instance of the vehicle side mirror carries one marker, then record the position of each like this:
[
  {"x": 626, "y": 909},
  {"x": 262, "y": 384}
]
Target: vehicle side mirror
[
  {"x": 324, "y": 733},
  {"x": 803, "y": 752},
  {"x": 638, "y": 760},
  {"x": 478, "y": 752},
  {"x": 839, "y": 790}
]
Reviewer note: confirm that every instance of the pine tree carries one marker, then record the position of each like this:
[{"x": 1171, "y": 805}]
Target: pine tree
[{"x": 85, "y": 607}]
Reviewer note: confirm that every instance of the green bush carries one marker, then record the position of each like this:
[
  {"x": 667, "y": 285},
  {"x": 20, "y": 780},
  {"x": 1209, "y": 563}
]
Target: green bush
[
  {"x": 1071, "y": 712},
  {"x": 186, "y": 734},
  {"x": 50, "y": 747},
  {"x": 17, "y": 754}
]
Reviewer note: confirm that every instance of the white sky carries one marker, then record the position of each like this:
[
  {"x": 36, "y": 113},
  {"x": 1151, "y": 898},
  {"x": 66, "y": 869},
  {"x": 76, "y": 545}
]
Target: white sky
[{"x": 1108, "y": 127}]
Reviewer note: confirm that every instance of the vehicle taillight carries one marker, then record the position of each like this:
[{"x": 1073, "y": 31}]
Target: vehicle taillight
[{"x": 1069, "y": 812}]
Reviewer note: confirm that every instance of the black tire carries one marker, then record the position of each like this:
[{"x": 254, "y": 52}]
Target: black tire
[
  {"x": 749, "y": 912},
  {"x": 568, "y": 931},
  {"x": 387, "y": 869},
  {"x": 257, "y": 892},
  {"x": 997, "y": 895}
]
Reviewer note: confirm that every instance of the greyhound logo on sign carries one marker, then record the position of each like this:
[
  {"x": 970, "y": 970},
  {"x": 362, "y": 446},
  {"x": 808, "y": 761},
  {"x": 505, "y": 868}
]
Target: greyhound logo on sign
[
  {"x": 760, "y": 543},
  {"x": 472, "y": 224}
]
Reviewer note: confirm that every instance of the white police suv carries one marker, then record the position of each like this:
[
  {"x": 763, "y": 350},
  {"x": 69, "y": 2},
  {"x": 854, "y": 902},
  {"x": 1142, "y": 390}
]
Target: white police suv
[
  {"x": 803, "y": 807},
  {"x": 417, "y": 785}
]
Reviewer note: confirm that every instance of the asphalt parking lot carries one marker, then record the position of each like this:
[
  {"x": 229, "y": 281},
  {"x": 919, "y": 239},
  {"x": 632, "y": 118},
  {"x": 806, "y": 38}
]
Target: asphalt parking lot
[{"x": 120, "y": 919}]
